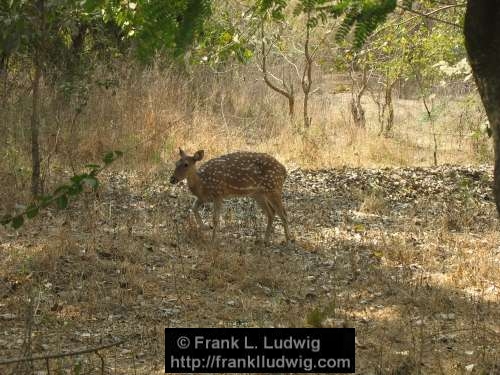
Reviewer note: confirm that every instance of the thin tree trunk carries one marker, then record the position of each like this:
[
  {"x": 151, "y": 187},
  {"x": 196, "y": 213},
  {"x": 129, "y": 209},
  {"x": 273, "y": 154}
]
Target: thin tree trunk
[
  {"x": 389, "y": 119},
  {"x": 287, "y": 92},
  {"x": 357, "y": 110},
  {"x": 307, "y": 75},
  {"x": 291, "y": 105},
  {"x": 35, "y": 125},
  {"x": 307, "y": 119},
  {"x": 482, "y": 41},
  {"x": 4, "y": 78},
  {"x": 36, "y": 186},
  {"x": 3, "y": 97}
]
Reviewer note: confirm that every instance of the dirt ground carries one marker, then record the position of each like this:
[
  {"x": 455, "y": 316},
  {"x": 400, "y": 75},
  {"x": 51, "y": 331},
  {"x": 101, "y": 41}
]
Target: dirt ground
[{"x": 409, "y": 257}]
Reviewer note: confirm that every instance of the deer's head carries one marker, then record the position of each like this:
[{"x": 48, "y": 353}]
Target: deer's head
[{"x": 185, "y": 165}]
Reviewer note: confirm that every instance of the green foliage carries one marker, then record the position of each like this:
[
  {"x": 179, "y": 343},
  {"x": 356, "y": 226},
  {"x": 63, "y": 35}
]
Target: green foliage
[
  {"x": 160, "y": 26},
  {"x": 191, "y": 22},
  {"x": 62, "y": 193},
  {"x": 409, "y": 46},
  {"x": 17, "y": 222},
  {"x": 68, "y": 29},
  {"x": 223, "y": 40},
  {"x": 273, "y": 9},
  {"x": 361, "y": 17}
]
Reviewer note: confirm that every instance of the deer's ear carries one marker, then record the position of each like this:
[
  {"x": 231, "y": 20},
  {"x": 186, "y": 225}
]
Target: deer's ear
[
  {"x": 182, "y": 154},
  {"x": 198, "y": 155}
]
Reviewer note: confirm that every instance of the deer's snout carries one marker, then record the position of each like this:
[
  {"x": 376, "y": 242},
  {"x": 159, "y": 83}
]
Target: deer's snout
[{"x": 173, "y": 180}]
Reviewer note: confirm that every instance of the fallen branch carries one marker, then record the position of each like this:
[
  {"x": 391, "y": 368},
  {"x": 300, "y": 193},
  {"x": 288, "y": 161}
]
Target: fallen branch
[{"x": 60, "y": 355}]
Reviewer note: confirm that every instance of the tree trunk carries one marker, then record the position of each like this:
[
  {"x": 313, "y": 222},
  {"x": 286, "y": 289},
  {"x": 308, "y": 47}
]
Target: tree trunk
[
  {"x": 287, "y": 91},
  {"x": 291, "y": 105},
  {"x": 3, "y": 96},
  {"x": 357, "y": 111},
  {"x": 482, "y": 41},
  {"x": 4, "y": 79},
  {"x": 307, "y": 75},
  {"x": 307, "y": 119},
  {"x": 389, "y": 119},
  {"x": 35, "y": 125},
  {"x": 357, "y": 92},
  {"x": 36, "y": 185}
]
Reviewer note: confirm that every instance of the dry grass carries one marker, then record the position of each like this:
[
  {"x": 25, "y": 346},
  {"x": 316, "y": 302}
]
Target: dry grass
[
  {"x": 423, "y": 298},
  {"x": 153, "y": 112},
  {"x": 374, "y": 203},
  {"x": 419, "y": 281}
]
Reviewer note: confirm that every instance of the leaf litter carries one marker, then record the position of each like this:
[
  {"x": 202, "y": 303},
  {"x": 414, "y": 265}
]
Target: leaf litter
[{"x": 408, "y": 256}]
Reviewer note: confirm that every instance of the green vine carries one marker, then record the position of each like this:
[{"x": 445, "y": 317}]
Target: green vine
[{"x": 63, "y": 193}]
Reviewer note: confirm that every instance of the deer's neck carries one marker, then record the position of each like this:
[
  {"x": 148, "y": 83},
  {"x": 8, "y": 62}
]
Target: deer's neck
[{"x": 194, "y": 183}]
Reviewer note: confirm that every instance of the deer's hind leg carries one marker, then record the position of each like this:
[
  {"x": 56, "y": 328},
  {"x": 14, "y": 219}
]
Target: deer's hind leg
[
  {"x": 274, "y": 200},
  {"x": 269, "y": 212}
]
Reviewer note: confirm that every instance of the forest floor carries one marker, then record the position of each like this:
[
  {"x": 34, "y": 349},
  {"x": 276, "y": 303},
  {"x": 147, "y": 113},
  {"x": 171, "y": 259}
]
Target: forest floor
[{"x": 410, "y": 257}]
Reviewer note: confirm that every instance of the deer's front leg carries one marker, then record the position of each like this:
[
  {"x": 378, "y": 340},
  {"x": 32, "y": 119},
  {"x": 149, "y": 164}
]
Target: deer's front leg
[
  {"x": 217, "y": 211},
  {"x": 196, "y": 212}
]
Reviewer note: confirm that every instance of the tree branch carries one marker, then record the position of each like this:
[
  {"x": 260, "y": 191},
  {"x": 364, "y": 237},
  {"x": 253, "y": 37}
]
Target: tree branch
[
  {"x": 61, "y": 355},
  {"x": 430, "y": 16},
  {"x": 264, "y": 67}
]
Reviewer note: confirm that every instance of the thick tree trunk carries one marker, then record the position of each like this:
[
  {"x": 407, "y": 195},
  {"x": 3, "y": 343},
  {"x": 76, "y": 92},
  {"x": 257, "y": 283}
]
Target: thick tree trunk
[{"x": 482, "y": 41}]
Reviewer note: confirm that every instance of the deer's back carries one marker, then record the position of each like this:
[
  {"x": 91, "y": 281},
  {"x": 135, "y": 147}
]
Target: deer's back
[{"x": 241, "y": 173}]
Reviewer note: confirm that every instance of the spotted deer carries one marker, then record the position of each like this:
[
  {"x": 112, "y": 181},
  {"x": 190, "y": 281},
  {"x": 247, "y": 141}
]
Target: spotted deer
[{"x": 238, "y": 174}]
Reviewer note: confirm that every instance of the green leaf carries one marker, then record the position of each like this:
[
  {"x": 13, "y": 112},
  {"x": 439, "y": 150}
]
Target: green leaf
[
  {"x": 111, "y": 156},
  {"x": 17, "y": 221},
  {"x": 31, "y": 211},
  {"x": 62, "y": 201},
  {"x": 92, "y": 5},
  {"x": 77, "y": 179},
  {"x": 6, "y": 219},
  {"x": 75, "y": 189},
  {"x": 108, "y": 158},
  {"x": 248, "y": 54},
  {"x": 62, "y": 189},
  {"x": 44, "y": 200},
  {"x": 91, "y": 181},
  {"x": 93, "y": 166}
]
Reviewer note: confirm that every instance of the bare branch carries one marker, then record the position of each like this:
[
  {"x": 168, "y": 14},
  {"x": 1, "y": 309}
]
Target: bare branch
[
  {"x": 290, "y": 62},
  {"x": 61, "y": 355},
  {"x": 417, "y": 16},
  {"x": 264, "y": 67},
  {"x": 430, "y": 16}
]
